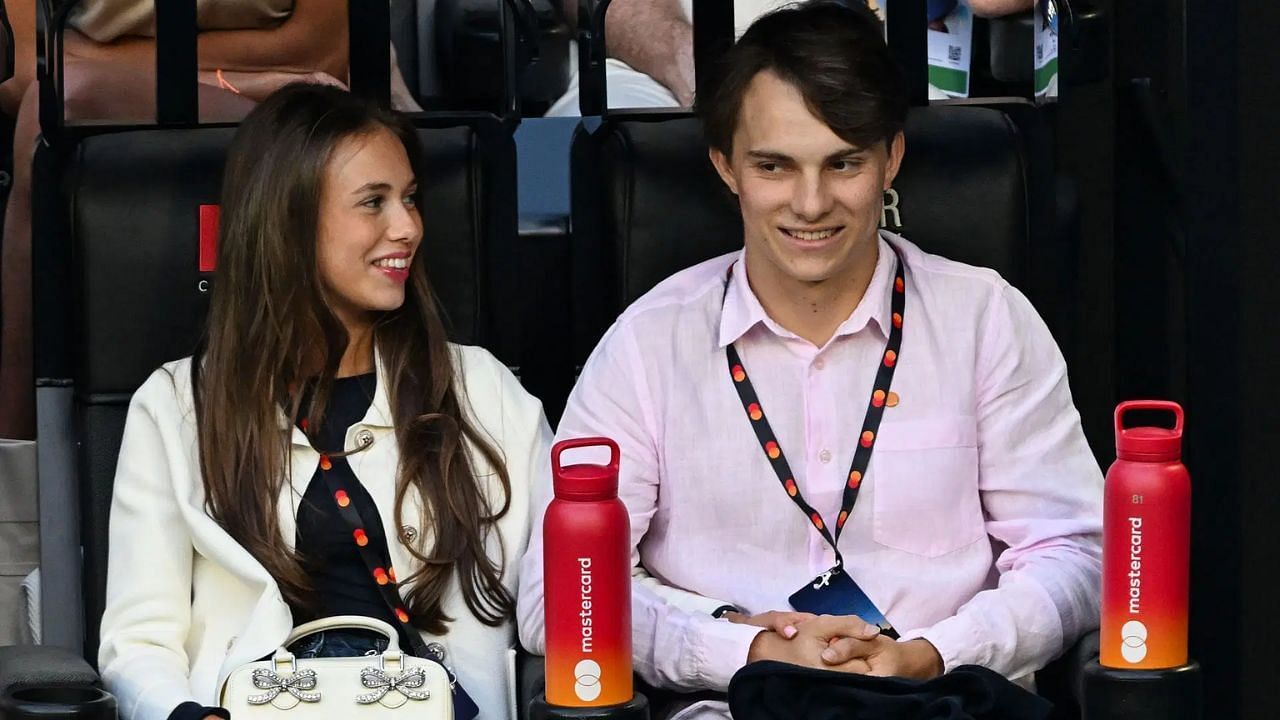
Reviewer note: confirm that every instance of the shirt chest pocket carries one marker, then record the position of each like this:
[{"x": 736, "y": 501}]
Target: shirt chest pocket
[{"x": 924, "y": 476}]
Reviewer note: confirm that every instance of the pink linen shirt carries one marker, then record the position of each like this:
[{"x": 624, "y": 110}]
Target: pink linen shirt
[{"x": 978, "y": 525}]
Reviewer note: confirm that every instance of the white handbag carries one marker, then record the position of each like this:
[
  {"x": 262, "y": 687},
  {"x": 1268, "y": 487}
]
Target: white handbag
[{"x": 371, "y": 686}]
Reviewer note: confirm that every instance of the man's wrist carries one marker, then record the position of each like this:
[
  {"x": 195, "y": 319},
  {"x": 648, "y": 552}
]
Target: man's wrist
[
  {"x": 721, "y": 649},
  {"x": 760, "y": 647},
  {"x": 924, "y": 660}
]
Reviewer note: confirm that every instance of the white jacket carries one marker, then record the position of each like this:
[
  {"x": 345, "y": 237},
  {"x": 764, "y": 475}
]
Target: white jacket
[{"x": 186, "y": 604}]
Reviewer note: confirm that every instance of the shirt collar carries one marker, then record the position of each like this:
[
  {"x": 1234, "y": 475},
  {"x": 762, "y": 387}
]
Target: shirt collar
[
  {"x": 742, "y": 309},
  {"x": 378, "y": 414}
]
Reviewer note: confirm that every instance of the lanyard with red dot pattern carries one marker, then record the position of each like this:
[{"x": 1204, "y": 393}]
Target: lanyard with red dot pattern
[
  {"x": 379, "y": 568},
  {"x": 870, "y": 425},
  {"x": 464, "y": 708}
]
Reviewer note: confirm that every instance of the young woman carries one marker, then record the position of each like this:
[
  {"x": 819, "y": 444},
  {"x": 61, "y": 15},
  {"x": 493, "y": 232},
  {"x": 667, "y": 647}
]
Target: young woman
[{"x": 325, "y": 383}]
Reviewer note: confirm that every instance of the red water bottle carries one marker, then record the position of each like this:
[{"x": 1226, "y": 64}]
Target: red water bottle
[
  {"x": 1146, "y": 539},
  {"x": 587, "y": 559}
]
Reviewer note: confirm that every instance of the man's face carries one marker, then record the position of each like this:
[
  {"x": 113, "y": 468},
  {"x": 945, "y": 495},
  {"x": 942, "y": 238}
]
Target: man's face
[{"x": 810, "y": 201}]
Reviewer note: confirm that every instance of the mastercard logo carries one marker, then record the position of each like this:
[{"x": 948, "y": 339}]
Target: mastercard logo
[
  {"x": 868, "y": 437},
  {"x": 844, "y": 515},
  {"x": 401, "y": 615},
  {"x": 586, "y": 680},
  {"x": 790, "y": 485},
  {"x": 772, "y": 450},
  {"x": 897, "y": 320},
  {"x": 1133, "y": 642},
  {"x": 380, "y": 576},
  {"x": 817, "y": 520},
  {"x": 855, "y": 479},
  {"x": 325, "y": 463},
  {"x": 754, "y": 411},
  {"x": 890, "y": 358},
  {"x": 341, "y": 498},
  {"x": 877, "y": 398},
  {"x": 361, "y": 538},
  {"x": 739, "y": 374},
  {"x": 899, "y": 285}
]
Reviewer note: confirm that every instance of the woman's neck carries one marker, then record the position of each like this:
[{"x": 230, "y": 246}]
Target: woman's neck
[{"x": 358, "y": 358}]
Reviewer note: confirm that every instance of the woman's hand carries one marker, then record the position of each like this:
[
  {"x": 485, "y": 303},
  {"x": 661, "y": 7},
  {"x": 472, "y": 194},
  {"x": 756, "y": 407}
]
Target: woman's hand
[{"x": 783, "y": 622}]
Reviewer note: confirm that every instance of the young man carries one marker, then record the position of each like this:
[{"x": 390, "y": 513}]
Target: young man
[{"x": 834, "y": 386}]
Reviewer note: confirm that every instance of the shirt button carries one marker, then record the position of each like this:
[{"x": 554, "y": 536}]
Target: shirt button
[
  {"x": 825, "y": 456},
  {"x": 364, "y": 438},
  {"x": 819, "y": 364}
]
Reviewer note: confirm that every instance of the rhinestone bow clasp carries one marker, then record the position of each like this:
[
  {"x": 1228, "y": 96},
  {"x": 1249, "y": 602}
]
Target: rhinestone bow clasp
[
  {"x": 382, "y": 682},
  {"x": 299, "y": 685}
]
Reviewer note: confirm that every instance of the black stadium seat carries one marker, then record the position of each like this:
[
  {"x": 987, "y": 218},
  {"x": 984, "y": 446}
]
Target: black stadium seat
[{"x": 468, "y": 35}]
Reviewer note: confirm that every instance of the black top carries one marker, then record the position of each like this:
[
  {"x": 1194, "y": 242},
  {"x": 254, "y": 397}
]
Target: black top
[{"x": 342, "y": 583}]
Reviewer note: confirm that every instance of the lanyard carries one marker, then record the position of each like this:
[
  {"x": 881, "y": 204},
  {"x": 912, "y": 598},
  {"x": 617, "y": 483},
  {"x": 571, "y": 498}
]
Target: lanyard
[
  {"x": 374, "y": 557},
  {"x": 870, "y": 425},
  {"x": 464, "y": 708}
]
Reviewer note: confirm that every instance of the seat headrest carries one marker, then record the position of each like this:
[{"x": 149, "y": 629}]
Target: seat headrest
[
  {"x": 961, "y": 193},
  {"x": 135, "y": 200}
]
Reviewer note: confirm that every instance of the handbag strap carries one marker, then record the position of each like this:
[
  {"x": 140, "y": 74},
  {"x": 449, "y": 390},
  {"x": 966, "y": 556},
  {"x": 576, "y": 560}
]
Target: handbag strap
[{"x": 351, "y": 622}]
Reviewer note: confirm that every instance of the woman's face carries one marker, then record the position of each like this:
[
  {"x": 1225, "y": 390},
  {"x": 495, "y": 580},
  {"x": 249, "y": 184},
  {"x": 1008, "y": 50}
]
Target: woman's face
[{"x": 369, "y": 228}]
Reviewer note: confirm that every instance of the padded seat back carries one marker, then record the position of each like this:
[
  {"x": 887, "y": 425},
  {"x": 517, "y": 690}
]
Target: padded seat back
[
  {"x": 140, "y": 299},
  {"x": 647, "y": 203},
  {"x": 467, "y": 43}
]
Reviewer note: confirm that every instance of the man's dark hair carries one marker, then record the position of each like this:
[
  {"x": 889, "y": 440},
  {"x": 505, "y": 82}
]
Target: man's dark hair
[{"x": 833, "y": 53}]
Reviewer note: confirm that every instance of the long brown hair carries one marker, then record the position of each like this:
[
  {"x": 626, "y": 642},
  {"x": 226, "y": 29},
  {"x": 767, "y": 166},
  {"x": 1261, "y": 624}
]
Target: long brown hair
[{"x": 271, "y": 335}]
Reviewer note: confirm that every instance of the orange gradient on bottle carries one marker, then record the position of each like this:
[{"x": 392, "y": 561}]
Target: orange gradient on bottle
[{"x": 598, "y": 679}]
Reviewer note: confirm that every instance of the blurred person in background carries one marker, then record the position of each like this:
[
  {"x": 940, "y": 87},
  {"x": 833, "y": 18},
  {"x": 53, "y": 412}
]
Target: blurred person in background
[{"x": 650, "y": 46}]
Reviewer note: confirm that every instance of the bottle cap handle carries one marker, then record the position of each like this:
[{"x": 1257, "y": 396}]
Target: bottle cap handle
[
  {"x": 1125, "y": 407},
  {"x": 585, "y": 442}
]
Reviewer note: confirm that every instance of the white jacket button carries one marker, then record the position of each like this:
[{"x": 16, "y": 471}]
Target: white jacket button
[
  {"x": 364, "y": 438},
  {"x": 408, "y": 532}
]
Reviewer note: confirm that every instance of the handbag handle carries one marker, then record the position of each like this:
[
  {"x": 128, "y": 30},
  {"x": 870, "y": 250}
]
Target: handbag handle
[{"x": 349, "y": 622}]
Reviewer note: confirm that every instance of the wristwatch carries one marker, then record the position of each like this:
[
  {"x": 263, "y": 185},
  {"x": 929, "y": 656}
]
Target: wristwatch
[{"x": 723, "y": 610}]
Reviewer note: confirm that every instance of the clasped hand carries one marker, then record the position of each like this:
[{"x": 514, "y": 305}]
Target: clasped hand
[{"x": 838, "y": 642}]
